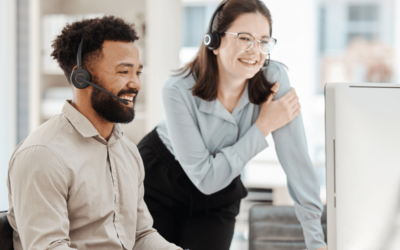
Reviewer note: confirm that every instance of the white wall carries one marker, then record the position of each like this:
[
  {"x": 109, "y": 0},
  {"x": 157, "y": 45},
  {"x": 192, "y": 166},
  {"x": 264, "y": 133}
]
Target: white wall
[
  {"x": 295, "y": 27},
  {"x": 7, "y": 91},
  {"x": 163, "y": 42}
]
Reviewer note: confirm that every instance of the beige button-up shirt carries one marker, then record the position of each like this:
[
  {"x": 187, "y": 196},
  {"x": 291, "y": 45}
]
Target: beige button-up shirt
[{"x": 69, "y": 188}]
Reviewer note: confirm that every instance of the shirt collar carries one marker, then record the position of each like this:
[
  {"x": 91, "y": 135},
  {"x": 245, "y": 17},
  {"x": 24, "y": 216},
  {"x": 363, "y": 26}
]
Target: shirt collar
[
  {"x": 209, "y": 106},
  {"x": 82, "y": 124}
]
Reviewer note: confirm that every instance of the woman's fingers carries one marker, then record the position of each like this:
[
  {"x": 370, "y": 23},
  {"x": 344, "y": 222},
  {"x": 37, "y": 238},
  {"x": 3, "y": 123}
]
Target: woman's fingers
[
  {"x": 294, "y": 100},
  {"x": 297, "y": 109},
  {"x": 275, "y": 87},
  {"x": 274, "y": 90},
  {"x": 289, "y": 97}
]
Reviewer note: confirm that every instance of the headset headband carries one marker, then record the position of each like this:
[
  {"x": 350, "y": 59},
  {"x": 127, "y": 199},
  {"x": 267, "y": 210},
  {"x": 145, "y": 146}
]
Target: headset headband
[
  {"x": 215, "y": 14},
  {"x": 79, "y": 55},
  {"x": 219, "y": 8}
]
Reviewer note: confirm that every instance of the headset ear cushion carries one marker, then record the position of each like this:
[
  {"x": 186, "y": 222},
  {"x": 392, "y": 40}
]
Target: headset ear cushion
[
  {"x": 207, "y": 40},
  {"x": 216, "y": 41},
  {"x": 76, "y": 74}
]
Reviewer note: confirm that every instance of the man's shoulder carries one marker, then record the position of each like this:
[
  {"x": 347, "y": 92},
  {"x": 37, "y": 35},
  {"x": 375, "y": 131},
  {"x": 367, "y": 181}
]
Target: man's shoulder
[
  {"x": 130, "y": 145},
  {"x": 133, "y": 153},
  {"x": 44, "y": 134}
]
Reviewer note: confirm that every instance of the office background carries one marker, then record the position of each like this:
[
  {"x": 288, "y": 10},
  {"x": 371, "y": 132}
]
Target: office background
[{"x": 319, "y": 41}]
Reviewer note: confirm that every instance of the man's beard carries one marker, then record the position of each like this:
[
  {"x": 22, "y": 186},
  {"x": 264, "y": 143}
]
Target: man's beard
[{"x": 109, "y": 108}]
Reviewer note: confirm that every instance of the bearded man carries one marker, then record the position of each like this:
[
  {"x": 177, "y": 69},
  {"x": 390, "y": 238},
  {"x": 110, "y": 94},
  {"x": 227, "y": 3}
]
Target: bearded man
[{"x": 76, "y": 182}]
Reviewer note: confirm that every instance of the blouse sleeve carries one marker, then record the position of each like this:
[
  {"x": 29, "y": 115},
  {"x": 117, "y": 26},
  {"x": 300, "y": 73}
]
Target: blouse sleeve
[
  {"x": 208, "y": 172},
  {"x": 291, "y": 148}
]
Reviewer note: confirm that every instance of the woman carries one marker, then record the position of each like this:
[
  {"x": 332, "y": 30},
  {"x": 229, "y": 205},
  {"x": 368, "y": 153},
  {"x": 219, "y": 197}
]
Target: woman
[{"x": 219, "y": 109}]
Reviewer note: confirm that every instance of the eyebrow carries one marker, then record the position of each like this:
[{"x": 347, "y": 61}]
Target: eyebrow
[
  {"x": 253, "y": 36},
  {"x": 129, "y": 65}
]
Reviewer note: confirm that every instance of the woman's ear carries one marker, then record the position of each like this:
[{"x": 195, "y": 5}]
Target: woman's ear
[{"x": 216, "y": 52}]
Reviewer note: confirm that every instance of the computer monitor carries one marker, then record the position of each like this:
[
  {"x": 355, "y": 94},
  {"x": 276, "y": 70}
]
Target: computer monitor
[{"x": 362, "y": 128}]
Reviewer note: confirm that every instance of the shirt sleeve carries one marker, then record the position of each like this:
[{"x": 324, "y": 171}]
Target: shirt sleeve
[
  {"x": 291, "y": 148},
  {"x": 209, "y": 173},
  {"x": 38, "y": 184},
  {"x": 147, "y": 238}
]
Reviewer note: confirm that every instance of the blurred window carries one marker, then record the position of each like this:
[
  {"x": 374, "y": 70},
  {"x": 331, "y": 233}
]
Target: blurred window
[
  {"x": 193, "y": 25},
  {"x": 363, "y": 22},
  {"x": 196, "y": 19},
  {"x": 363, "y": 12}
]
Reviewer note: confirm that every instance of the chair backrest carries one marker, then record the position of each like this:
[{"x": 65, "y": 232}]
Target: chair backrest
[
  {"x": 6, "y": 232},
  {"x": 276, "y": 228}
]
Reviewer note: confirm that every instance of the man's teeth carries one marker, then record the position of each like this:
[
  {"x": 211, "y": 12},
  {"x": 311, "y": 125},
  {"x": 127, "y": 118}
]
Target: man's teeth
[
  {"x": 128, "y": 98},
  {"x": 247, "y": 61}
]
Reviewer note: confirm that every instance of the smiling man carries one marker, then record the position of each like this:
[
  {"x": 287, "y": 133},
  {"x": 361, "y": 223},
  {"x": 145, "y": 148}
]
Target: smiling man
[{"x": 77, "y": 182}]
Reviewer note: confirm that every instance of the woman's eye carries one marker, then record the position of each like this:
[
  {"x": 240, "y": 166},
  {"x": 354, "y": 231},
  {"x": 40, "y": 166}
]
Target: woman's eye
[
  {"x": 244, "y": 39},
  {"x": 123, "y": 72},
  {"x": 139, "y": 73},
  {"x": 264, "y": 42}
]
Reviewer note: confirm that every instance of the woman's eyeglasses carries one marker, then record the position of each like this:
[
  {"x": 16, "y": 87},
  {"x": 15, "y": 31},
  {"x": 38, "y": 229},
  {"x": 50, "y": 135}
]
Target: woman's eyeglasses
[{"x": 246, "y": 42}]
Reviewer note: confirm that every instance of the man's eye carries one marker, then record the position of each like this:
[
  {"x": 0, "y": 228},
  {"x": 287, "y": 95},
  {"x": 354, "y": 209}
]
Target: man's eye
[
  {"x": 123, "y": 72},
  {"x": 139, "y": 73}
]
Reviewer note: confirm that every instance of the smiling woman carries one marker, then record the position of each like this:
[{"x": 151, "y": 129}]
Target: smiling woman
[
  {"x": 219, "y": 109},
  {"x": 205, "y": 67}
]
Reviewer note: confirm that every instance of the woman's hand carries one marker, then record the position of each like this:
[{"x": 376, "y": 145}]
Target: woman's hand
[{"x": 276, "y": 114}]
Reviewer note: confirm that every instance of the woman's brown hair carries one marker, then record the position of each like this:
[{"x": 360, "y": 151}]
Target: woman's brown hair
[{"x": 204, "y": 66}]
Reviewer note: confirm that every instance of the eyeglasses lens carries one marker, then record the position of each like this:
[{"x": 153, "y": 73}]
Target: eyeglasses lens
[{"x": 246, "y": 41}]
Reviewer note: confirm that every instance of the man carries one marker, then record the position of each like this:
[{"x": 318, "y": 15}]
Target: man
[{"x": 77, "y": 182}]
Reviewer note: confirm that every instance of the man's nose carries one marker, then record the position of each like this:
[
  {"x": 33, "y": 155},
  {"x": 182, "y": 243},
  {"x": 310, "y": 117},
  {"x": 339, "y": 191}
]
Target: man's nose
[{"x": 135, "y": 84}]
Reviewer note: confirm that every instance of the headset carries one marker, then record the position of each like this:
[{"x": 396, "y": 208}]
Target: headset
[
  {"x": 81, "y": 77},
  {"x": 212, "y": 39}
]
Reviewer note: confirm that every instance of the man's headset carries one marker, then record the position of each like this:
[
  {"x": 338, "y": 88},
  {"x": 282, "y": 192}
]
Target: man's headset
[
  {"x": 212, "y": 40},
  {"x": 81, "y": 77}
]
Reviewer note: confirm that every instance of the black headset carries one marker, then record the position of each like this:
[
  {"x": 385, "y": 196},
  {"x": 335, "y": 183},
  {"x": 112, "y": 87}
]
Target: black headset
[
  {"x": 81, "y": 77},
  {"x": 212, "y": 39}
]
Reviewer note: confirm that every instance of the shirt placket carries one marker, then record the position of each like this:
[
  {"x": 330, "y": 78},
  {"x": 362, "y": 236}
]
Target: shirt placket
[{"x": 117, "y": 207}]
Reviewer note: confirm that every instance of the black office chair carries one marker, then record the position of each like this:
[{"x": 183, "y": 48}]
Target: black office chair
[
  {"x": 277, "y": 228},
  {"x": 6, "y": 232}
]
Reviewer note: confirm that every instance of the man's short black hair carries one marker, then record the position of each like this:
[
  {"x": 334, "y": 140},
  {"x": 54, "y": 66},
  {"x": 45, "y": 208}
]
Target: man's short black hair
[{"x": 94, "y": 32}]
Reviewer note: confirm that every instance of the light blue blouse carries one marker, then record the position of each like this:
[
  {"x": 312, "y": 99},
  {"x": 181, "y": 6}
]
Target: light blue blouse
[{"x": 213, "y": 145}]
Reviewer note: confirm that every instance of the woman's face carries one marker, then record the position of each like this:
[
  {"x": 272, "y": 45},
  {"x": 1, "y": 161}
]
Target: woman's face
[{"x": 237, "y": 62}]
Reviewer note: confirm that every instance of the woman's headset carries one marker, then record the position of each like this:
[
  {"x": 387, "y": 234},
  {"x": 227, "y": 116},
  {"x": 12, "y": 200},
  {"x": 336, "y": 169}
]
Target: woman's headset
[{"x": 212, "y": 39}]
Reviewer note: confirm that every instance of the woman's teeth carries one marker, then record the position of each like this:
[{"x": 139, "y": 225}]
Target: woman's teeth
[{"x": 251, "y": 62}]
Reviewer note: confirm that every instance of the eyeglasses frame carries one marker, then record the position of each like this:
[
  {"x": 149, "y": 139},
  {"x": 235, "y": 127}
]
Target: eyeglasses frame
[{"x": 259, "y": 41}]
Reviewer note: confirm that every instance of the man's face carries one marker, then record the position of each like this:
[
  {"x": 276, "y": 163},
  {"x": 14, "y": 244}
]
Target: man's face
[{"x": 118, "y": 72}]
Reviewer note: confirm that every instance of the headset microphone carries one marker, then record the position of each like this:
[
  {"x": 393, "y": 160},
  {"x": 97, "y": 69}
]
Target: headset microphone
[{"x": 81, "y": 77}]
